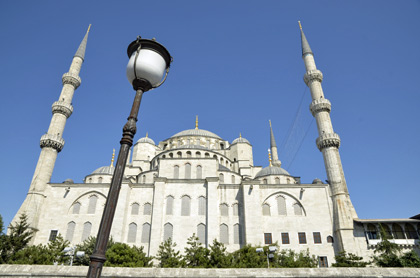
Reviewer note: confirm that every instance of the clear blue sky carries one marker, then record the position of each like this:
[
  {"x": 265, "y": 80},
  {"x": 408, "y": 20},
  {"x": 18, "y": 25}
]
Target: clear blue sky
[{"x": 237, "y": 64}]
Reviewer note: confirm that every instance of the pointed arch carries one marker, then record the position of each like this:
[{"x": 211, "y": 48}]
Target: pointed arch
[
  {"x": 224, "y": 209},
  {"x": 87, "y": 227},
  {"x": 237, "y": 234},
  {"x": 266, "y": 209},
  {"x": 201, "y": 233},
  {"x": 185, "y": 205},
  {"x": 176, "y": 172},
  {"x": 71, "y": 226},
  {"x": 132, "y": 233},
  {"x": 135, "y": 209},
  {"x": 297, "y": 209},
  {"x": 93, "y": 199},
  {"x": 281, "y": 205},
  {"x": 199, "y": 172},
  {"x": 169, "y": 204},
  {"x": 168, "y": 230},
  {"x": 147, "y": 209},
  {"x": 187, "y": 171},
  {"x": 224, "y": 234},
  {"x": 76, "y": 208},
  {"x": 202, "y": 205},
  {"x": 145, "y": 233}
]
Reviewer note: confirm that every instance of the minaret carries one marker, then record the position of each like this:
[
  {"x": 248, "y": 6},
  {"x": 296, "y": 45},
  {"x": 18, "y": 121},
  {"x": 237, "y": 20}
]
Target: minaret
[
  {"x": 52, "y": 142},
  {"x": 273, "y": 147},
  {"x": 328, "y": 143}
]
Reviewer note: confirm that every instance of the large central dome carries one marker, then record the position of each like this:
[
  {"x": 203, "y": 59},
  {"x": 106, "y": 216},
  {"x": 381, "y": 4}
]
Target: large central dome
[{"x": 196, "y": 132}]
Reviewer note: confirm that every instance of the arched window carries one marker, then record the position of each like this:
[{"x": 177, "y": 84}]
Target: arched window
[
  {"x": 169, "y": 205},
  {"x": 387, "y": 230},
  {"x": 264, "y": 181},
  {"x": 168, "y": 230},
  {"x": 76, "y": 208},
  {"x": 199, "y": 172},
  {"x": 189, "y": 154},
  {"x": 288, "y": 180},
  {"x": 221, "y": 178},
  {"x": 201, "y": 233},
  {"x": 87, "y": 227},
  {"x": 371, "y": 231},
  {"x": 397, "y": 231},
  {"x": 235, "y": 209},
  {"x": 147, "y": 209},
  {"x": 197, "y": 154},
  {"x": 187, "y": 171},
  {"x": 237, "y": 234},
  {"x": 92, "y": 204},
  {"x": 224, "y": 210},
  {"x": 171, "y": 155},
  {"x": 277, "y": 180},
  {"x": 222, "y": 146},
  {"x": 330, "y": 239},
  {"x": 176, "y": 172},
  {"x": 132, "y": 233},
  {"x": 207, "y": 155},
  {"x": 185, "y": 205},
  {"x": 215, "y": 156},
  {"x": 100, "y": 180},
  {"x": 221, "y": 160},
  {"x": 266, "y": 210},
  {"x": 202, "y": 205},
  {"x": 297, "y": 209},
  {"x": 164, "y": 156},
  {"x": 281, "y": 205},
  {"x": 145, "y": 233},
  {"x": 224, "y": 234},
  {"x": 135, "y": 209},
  {"x": 410, "y": 232},
  {"x": 233, "y": 179},
  {"x": 179, "y": 154},
  {"x": 70, "y": 231},
  {"x": 144, "y": 179},
  {"x": 90, "y": 180},
  {"x": 165, "y": 146}
]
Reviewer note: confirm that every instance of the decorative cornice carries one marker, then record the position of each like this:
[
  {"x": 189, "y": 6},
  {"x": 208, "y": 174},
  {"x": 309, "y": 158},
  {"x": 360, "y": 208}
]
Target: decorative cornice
[
  {"x": 328, "y": 140},
  {"x": 312, "y": 75},
  {"x": 319, "y": 105},
  {"x": 71, "y": 79},
  {"x": 52, "y": 141},
  {"x": 63, "y": 108}
]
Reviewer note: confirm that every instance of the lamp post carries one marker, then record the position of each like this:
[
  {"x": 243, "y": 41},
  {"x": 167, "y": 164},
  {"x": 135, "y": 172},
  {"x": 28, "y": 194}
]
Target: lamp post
[
  {"x": 147, "y": 69},
  {"x": 269, "y": 252}
]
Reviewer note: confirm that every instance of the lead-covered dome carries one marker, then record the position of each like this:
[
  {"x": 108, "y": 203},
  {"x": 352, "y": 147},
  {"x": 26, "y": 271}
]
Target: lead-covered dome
[
  {"x": 271, "y": 170},
  {"x": 146, "y": 140},
  {"x": 197, "y": 132},
  {"x": 240, "y": 140},
  {"x": 105, "y": 170}
]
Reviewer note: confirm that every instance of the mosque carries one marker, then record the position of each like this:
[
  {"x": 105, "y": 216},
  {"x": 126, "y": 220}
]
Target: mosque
[{"x": 197, "y": 182}]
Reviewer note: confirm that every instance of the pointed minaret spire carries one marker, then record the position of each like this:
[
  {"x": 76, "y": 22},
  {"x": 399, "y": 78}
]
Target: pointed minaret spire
[
  {"x": 328, "y": 143},
  {"x": 196, "y": 122},
  {"x": 276, "y": 162},
  {"x": 113, "y": 156},
  {"x": 82, "y": 47},
  {"x": 306, "y": 49}
]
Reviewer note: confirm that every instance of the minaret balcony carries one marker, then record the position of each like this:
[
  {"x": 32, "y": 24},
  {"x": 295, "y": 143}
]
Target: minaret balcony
[
  {"x": 313, "y": 75},
  {"x": 328, "y": 140},
  {"x": 52, "y": 141},
  {"x": 63, "y": 108},
  {"x": 320, "y": 105},
  {"x": 72, "y": 79}
]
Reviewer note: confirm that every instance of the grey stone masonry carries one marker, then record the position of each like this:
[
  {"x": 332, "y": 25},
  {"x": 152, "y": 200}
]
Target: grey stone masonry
[{"x": 21, "y": 271}]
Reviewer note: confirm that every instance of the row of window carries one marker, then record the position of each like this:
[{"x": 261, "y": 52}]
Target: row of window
[
  {"x": 395, "y": 231},
  {"x": 301, "y": 236},
  {"x": 71, "y": 227},
  {"x": 93, "y": 200},
  {"x": 195, "y": 141},
  {"x": 281, "y": 207}
]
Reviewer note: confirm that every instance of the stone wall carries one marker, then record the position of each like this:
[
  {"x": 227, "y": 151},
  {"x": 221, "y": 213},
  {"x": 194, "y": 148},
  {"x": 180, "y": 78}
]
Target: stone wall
[{"x": 17, "y": 271}]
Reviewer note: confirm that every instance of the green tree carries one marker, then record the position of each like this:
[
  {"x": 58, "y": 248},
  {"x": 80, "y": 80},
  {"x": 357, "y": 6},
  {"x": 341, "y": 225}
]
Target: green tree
[
  {"x": 218, "y": 257},
  {"x": 247, "y": 257},
  {"x": 195, "y": 254},
  {"x": 19, "y": 237},
  {"x": 167, "y": 256},
  {"x": 344, "y": 259},
  {"x": 3, "y": 243},
  {"x": 291, "y": 259},
  {"x": 88, "y": 246},
  {"x": 410, "y": 259},
  {"x": 123, "y": 255},
  {"x": 388, "y": 252}
]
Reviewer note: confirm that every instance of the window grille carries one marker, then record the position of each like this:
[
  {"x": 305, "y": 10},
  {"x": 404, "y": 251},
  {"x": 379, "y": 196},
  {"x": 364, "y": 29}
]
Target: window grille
[
  {"x": 235, "y": 209},
  {"x": 100, "y": 180},
  {"x": 281, "y": 205},
  {"x": 410, "y": 232},
  {"x": 268, "y": 238},
  {"x": 330, "y": 239},
  {"x": 179, "y": 154},
  {"x": 169, "y": 205},
  {"x": 53, "y": 235},
  {"x": 185, "y": 205},
  {"x": 70, "y": 231},
  {"x": 317, "y": 237},
  {"x": 188, "y": 171},
  {"x": 201, "y": 233},
  {"x": 372, "y": 233},
  {"x": 87, "y": 227},
  {"x": 397, "y": 231},
  {"x": 147, "y": 209},
  {"x": 132, "y": 233},
  {"x": 197, "y": 154},
  {"x": 266, "y": 210},
  {"x": 145, "y": 234},
  {"x": 224, "y": 234},
  {"x": 297, "y": 209},
  {"x": 167, "y": 231},
  {"x": 387, "y": 230},
  {"x": 323, "y": 262},
  {"x": 199, "y": 172},
  {"x": 135, "y": 209},
  {"x": 237, "y": 234},
  {"x": 76, "y": 208},
  {"x": 302, "y": 238},
  {"x": 207, "y": 155},
  {"x": 285, "y": 238},
  {"x": 277, "y": 180},
  {"x": 189, "y": 153},
  {"x": 176, "y": 172},
  {"x": 224, "y": 210},
  {"x": 202, "y": 205},
  {"x": 92, "y": 204}
]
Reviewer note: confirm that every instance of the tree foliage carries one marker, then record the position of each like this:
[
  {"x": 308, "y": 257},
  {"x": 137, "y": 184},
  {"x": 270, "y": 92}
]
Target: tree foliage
[
  {"x": 344, "y": 259},
  {"x": 167, "y": 256},
  {"x": 290, "y": 258},
  {"x": 247, "y": 257},
  {"x": 218, "y": 257},
  {"x": 123, "y": 255},
  {"x": 195, "y": 254},
  {"x": 88, "y": 246}
]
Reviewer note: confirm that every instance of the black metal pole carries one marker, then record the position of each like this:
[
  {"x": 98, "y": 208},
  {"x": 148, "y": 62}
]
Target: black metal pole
[{"x": 98, "y": 257}]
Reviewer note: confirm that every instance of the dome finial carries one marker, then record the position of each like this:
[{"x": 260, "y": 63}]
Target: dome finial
[
  {"x": 196, "y": 122},
  {"x": 269, "y": 157},
  {"x": 240, "y": 135},
  {"x": 147, "y": 134},
  {"x": 113, "y": 156}
]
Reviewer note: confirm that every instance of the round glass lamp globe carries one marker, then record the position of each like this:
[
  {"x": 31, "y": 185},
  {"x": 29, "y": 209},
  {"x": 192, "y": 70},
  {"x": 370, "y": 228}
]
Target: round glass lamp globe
[{"x": 150, "y": 65}]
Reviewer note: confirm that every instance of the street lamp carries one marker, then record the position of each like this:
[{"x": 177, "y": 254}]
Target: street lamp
[
  {"x": 147, "y": 69},
  {"x": 270, "y": 253}
]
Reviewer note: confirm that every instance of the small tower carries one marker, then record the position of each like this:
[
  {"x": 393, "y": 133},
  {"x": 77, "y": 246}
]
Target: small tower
[
  {"x": 52, "y": 142},
  {"x": 328, "y": 143}
]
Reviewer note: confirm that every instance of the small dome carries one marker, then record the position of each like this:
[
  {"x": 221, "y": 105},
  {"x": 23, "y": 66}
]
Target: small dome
[
  {"x": 317, "y": 181},
  {"x": 146, "y": 140},
  {"x": 271, "y": 170},
  {"x": 240, "y": 140},
  {"x": 196, "y": 132},
  {"x": 105, "y": 170},
  {"x": 68, "y": 181}
]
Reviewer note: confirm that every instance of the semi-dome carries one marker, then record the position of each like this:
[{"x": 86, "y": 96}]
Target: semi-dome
[
  {"x": 196, "y": 132},
  {"x": 317, "y": 181},
  {"x": 271, "y": 170},
  {"x": 240, "y": 139},
  {"x": 146, "y": 140},
  {"x": 105, "y": 170}
]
